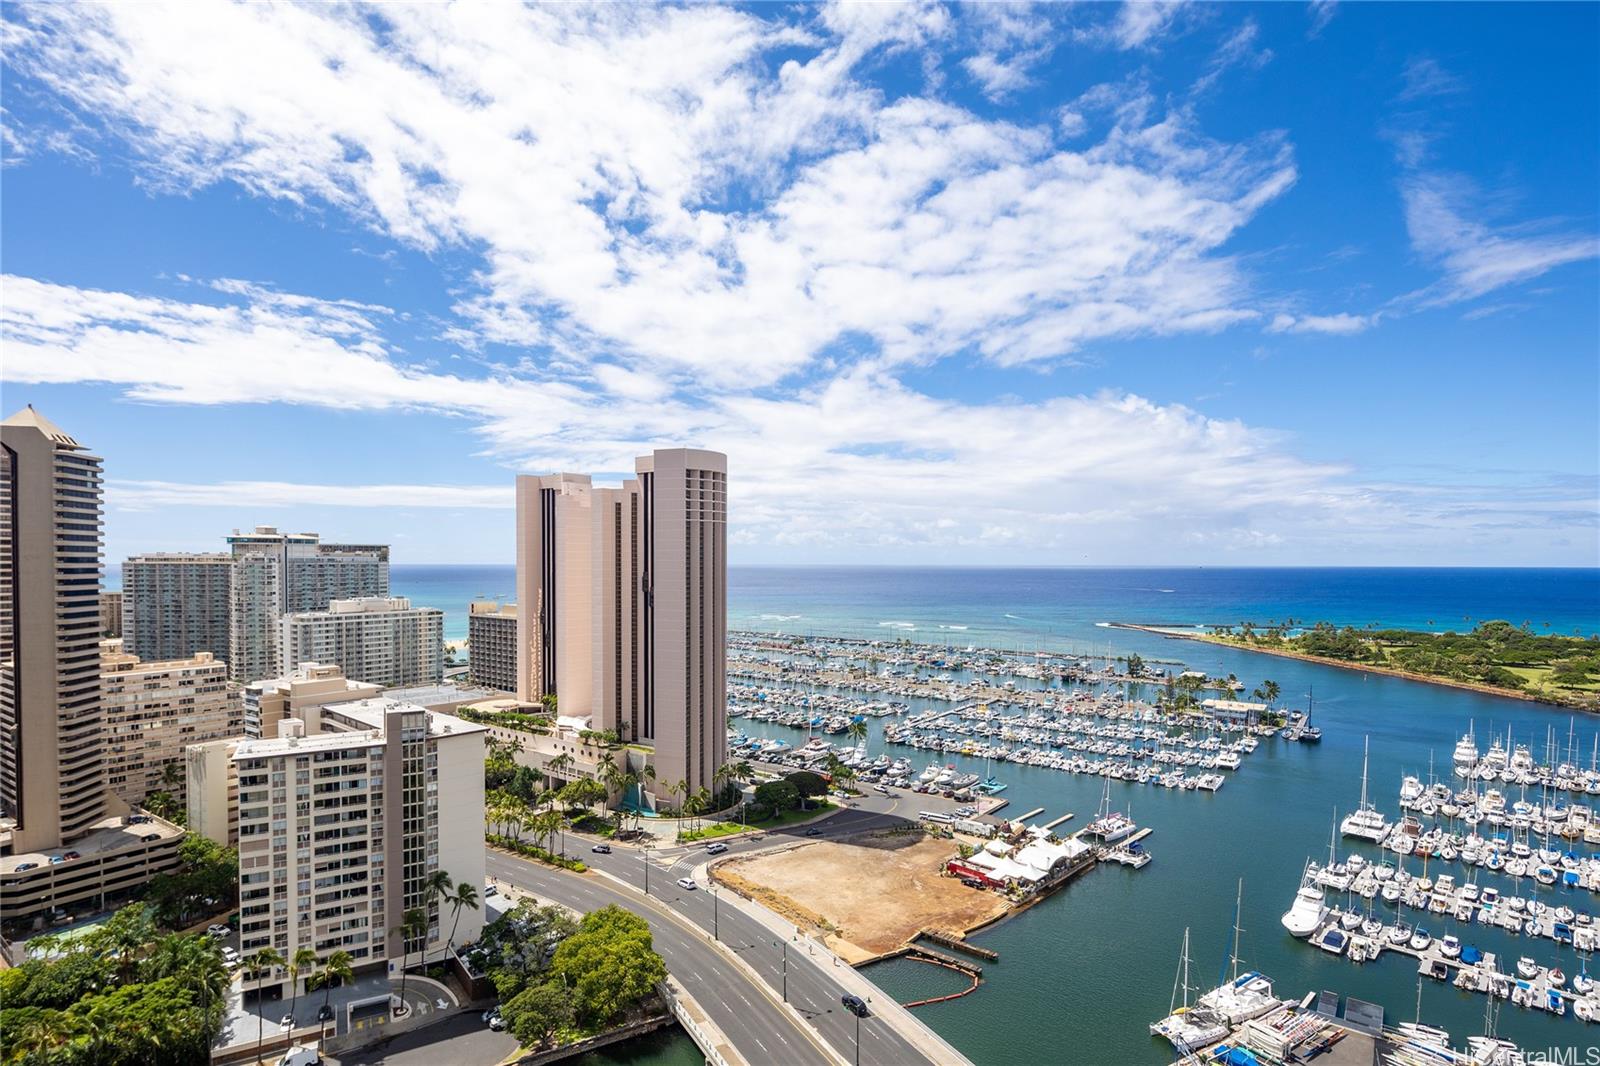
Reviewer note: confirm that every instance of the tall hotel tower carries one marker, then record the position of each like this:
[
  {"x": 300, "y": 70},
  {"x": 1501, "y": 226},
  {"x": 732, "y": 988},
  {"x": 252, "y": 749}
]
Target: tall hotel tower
[
  {"x": 52, "y": 758},
  {"x": 622, "y": 605}
]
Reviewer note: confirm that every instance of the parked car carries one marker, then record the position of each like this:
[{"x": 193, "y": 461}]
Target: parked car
[
  {"x": 70, "y": 855},
  {"x": 601, "y": 849},
  {"x": 21, "y": 866},
  {"x": 491, "y": 890},
  {"x": 881, "y": 789},
  {"x": 813, "y": 832},
  {"x": 138, "y": 819},
  {"x": 54, "y": 859},
  {"x": 218, "y": 930},
  {"x": 286, "y": 1022},
  {"x": 687, "y": 883},
  {"x": 325, "y": 1013},
  {"x": 496, "y": 1022},
  {"x": 148, "y": 837},
  {"x": 716, "y": 847}
]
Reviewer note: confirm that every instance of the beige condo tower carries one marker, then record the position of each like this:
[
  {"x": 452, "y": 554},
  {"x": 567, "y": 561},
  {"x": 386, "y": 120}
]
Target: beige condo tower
[
  {"x": 52, "y": 747},
  {"x": 623, "y": 606}
]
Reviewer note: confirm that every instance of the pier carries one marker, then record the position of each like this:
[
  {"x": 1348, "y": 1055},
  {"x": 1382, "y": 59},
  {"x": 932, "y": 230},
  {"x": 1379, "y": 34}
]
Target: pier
[
  {"x": 1058, "y": 821},
  {"x": 1031, "y": 814},
  {"x": 957, "y": 943},
  {"x": 1541, "y": 989}
]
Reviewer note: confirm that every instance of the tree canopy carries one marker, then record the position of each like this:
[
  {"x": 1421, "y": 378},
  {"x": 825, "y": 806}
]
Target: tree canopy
[
  {"x": 609, "y": 964},
  {"x": 119, "y": 995}
]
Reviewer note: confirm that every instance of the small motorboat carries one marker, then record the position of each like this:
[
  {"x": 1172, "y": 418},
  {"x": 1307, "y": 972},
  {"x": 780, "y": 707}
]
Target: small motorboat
[
  {"x": 1450, "y": 947},
  {"x": 1420, "y": 940},
  {"x": 1334, "y": 941},
  {"x": 1527, "y": 968},
  {"x": 1557, "y": 977}
]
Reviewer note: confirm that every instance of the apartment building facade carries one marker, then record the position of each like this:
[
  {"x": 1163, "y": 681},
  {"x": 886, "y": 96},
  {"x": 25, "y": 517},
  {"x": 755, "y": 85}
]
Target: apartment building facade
[
  {"x": 175, "y": 604},
  {"x": 154, "y": 711},
  {"x": 343, "y": 818},
  {"x": 623, "y": 596},
  {"x": 65, "y": 842},
  {"x": 309, "y": 685},
  {"x": 52, "y": 748},
  {"x": 110, "y": 614},
  {"x": 382, "y": 641},
  {"x": 492, "y": 645},
  {"x": 276, "y": 573}
]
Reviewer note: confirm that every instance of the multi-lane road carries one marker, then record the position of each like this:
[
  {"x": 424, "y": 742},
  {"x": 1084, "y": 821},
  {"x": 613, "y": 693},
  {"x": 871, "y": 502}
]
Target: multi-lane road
[{"x": 695, "y": 930}]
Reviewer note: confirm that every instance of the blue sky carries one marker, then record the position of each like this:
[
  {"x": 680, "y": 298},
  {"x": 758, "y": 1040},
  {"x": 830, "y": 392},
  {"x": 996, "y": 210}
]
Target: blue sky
[{"x": 1064, "y": 284}]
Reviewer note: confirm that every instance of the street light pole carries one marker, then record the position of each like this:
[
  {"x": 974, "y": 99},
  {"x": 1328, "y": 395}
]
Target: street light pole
[
  {"x": 786, "y": 971},
  {"x": 858, "y": 1038},
  {"x": 716, "y": 914}
]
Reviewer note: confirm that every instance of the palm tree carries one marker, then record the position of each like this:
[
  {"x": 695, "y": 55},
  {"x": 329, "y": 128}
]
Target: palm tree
[
  {"x": 611, "y": 776},
  {"x": 335, "y": 967},
  {"x": 413, "y": 923},
  {"x": 858, "y": 732},
  {"x": 466, "y": 896},
  {"x": 559, "y": 765},
  {"x": 702, "y": 803},
  {"x": 304, "y": 960},
  {"x": 437, "y": 888},
  {"x": 1270, "y": 690},
  {"x": 646, "y": 773},
  {"x": 260, "y": 965}
]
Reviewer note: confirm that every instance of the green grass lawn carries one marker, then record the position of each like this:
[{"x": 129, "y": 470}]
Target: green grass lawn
[{"x": 712, "y": 830}]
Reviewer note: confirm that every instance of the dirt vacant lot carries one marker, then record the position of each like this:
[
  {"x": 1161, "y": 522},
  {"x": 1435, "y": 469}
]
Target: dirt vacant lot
[{"x": 871, "y": 895}]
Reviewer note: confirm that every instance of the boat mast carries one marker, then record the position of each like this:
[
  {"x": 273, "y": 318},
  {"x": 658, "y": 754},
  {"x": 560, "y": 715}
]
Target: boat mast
[
  {"x": 1181, "y": 978},
  {"x": 1366, "y": 744},
  {"x": 1238, "y": 902}
]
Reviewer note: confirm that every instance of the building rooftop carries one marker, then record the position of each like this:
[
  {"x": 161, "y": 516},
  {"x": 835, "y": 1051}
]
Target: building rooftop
[
  {"x": 111, "y": 834},
  {"x": 265, "y": 748},
  {"x": 374, "y": 712},
  {"x": 431, "y": 696},
  {"x": 30, "y": 419}
]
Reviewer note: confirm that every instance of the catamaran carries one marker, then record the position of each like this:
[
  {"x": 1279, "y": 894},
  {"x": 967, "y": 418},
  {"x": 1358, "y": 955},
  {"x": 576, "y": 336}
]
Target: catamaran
[
  {"x": 1366, "y": 822},
  {"x": 1242, "y": 996},
  {"x": 1189, "y": 1029},
  {"x": 1110, "y": 826}
]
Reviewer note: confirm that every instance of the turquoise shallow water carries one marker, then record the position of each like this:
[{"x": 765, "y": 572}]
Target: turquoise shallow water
[{"x": 1092, "y": 966}]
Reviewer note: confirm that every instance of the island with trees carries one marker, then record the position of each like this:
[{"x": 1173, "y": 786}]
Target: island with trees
[{"x": 1494, "y": 656}]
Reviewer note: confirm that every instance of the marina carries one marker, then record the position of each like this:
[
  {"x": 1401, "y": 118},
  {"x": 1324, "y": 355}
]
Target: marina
[{"x": 1262, "y": 825}]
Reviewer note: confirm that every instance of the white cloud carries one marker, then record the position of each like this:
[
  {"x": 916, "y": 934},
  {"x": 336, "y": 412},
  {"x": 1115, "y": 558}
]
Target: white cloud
[
  {"x": 263, "y": 495},
  {"x": 1321, "y": 12},
  {"x": 1140, "y": 22},
  {"x": 592, "y": 171},
  {"x": 1341, "y": 323},
  {"x": 1238, "y": 50},
  {"x": 1478, "y": 258}
]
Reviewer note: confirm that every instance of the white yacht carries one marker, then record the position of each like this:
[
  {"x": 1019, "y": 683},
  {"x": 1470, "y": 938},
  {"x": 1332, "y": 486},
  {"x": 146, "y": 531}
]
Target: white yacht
[
  {"x": 1366, "y": 822},
  {"x": 1244, "y": 996},
  {"x": 1308, "y": 912},
  {"x": 1466, "y": 756}
]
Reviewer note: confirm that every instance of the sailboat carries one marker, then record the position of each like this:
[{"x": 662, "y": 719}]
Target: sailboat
[
  {"x": 1110, "y": 826},
  {"x": 1189, "y": 1029},
  {"x": 1242, "y": 996},
  {"x": 1366, "y": 822},
  {"x": 1309, "y": 734}
]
